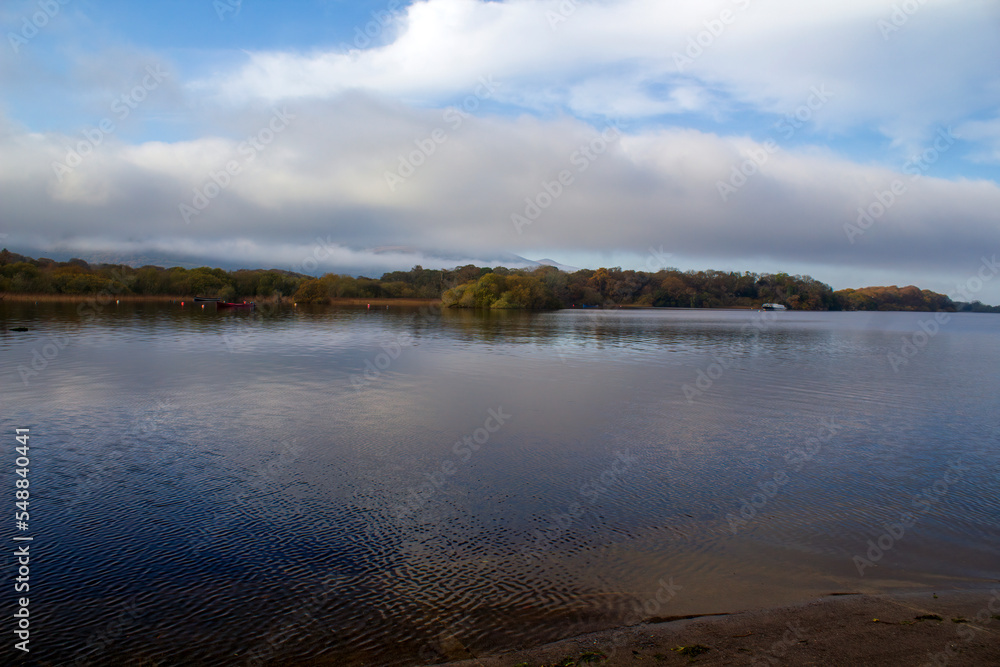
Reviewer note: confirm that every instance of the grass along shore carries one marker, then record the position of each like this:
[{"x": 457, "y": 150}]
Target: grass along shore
[
  {"x": 84, "y": 298},
  {"x": 164, "y": 298}
]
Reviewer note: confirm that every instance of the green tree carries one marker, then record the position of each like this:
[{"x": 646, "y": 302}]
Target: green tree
[{"x": 312, "y": 291}]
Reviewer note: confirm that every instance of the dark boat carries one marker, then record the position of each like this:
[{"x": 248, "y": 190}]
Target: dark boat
[
  {"x": 198, "y": 299},
  {"x": 225, "y": 304}
]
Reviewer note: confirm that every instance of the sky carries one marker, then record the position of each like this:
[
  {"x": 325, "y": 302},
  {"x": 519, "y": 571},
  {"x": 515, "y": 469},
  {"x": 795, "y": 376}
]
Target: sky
[{"x": 856, "y": 141}]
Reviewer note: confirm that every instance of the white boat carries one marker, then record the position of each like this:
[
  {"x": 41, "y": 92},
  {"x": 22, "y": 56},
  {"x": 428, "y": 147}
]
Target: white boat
[{"x": 773, "y": 306}]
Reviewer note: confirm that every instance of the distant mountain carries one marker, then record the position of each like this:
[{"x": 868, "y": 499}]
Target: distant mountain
[
  {"x": 442, "y": 260},
  {"x": 449, "y": 259},
  {"x": 561, "y": 267},
  {"x": 135, "y": 260},
  {"x": 508, "y": 259},
  {"x": 138, "y": 260}
]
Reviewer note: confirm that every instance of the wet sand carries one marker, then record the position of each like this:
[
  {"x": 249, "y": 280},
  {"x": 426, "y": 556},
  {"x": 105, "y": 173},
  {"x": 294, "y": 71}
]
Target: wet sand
[{"x": 839, "y": 629}]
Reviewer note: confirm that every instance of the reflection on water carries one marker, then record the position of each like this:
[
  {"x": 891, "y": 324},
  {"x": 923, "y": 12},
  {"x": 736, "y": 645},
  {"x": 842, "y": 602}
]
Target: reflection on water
[{"x": 313, "y": 486}]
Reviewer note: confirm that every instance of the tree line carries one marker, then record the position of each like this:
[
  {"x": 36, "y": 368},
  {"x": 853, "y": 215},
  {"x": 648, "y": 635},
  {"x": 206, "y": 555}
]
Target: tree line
[
  {"x": 472, "y": 286},
  {"x": 24, "y": 275}
]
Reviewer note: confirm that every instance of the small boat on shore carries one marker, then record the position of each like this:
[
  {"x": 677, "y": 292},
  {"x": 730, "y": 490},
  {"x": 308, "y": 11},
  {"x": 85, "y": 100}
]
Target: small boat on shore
[
  {"x": 201, "y": 299},
  {"x": 773, "y": 306},
  {"x": 224, "y": 304}
]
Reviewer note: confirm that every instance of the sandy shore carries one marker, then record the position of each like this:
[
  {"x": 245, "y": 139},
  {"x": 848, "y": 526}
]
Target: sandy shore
[{"x": 843, "y": 629}]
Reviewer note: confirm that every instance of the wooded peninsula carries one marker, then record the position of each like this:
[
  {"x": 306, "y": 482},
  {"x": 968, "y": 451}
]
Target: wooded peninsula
[{"x": 470, "y": 286}]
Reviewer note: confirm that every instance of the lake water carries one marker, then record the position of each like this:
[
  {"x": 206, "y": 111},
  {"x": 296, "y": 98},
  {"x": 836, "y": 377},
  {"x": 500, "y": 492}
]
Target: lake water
[{"x": 354, "y": 486}]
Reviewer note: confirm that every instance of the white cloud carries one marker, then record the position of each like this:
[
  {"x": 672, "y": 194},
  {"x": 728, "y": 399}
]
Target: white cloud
[
  {"x": 987, "y": 133},
  {"x": 325, "y": 176},
  {"x": 618, "y": 58}
]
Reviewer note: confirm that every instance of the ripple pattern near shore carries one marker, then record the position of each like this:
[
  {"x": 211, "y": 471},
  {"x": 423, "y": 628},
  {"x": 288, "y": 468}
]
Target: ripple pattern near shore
[{"x": 330, "y": 488}]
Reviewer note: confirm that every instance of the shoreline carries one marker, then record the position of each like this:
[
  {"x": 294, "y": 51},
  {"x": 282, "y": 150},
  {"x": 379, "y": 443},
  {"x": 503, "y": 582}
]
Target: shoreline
[
  {"x": 837, "y": 629},
  {"x": 382, "y": 301},
  {"x": 416, "y": 302},
  {"x": 84, "y": 298},
  {"x": 105, "y": 299}
]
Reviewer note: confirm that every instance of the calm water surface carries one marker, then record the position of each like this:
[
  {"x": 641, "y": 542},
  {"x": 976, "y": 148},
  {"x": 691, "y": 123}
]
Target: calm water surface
[{"x": 394, "y": 487}]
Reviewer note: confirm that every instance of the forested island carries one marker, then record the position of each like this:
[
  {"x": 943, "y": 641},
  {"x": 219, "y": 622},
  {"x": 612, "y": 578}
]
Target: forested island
[{"x": 470, "y": 286}]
